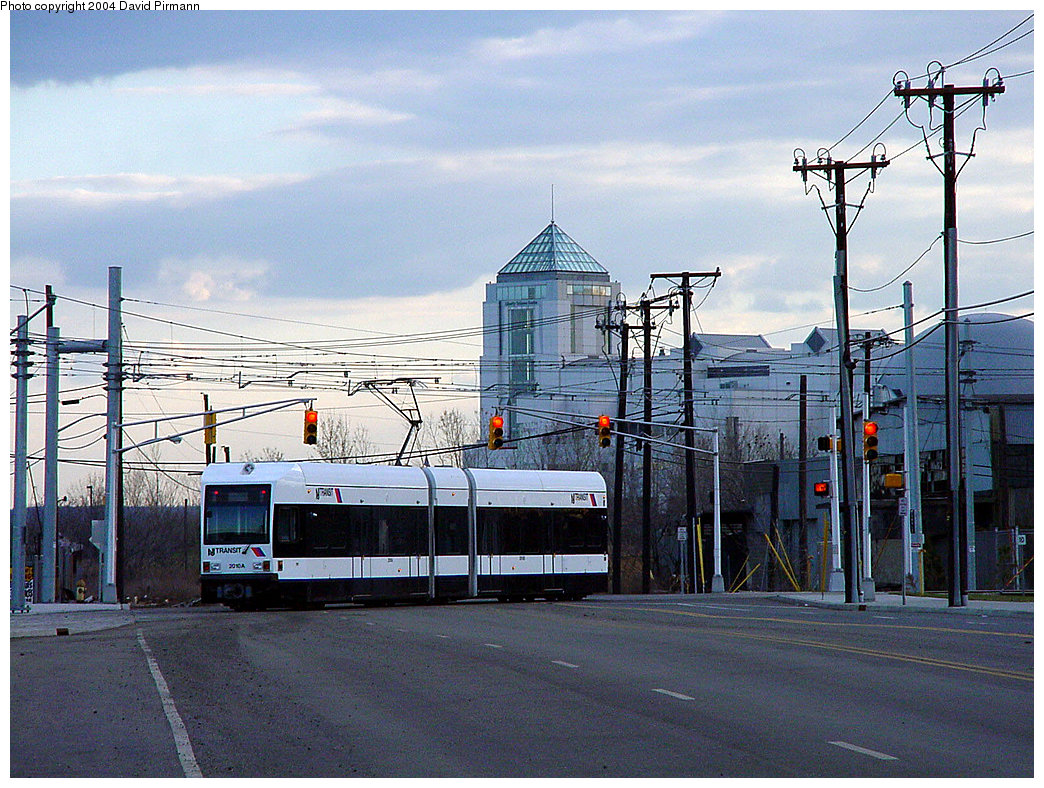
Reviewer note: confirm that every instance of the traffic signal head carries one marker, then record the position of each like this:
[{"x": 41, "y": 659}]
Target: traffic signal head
[
  {"x": 821, "y": 489},
  {"x": 605, "y": 431},
  {"x": 825, "y": 443},
  {"x": 311, "y": 426},
  {"x": 496, "y": 432},
  {"x": 869, "y": 440}
]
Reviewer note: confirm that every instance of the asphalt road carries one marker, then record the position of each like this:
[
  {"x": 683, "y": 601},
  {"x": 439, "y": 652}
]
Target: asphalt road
[{"x": 619, "y": 687}]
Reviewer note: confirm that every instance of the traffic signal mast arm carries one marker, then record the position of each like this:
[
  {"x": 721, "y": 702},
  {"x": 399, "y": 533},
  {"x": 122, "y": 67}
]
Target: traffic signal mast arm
[{"x": 270, "y": 407}]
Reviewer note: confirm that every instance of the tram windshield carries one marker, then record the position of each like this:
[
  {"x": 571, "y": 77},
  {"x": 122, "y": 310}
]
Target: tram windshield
[{"x": 236, "y": 514}]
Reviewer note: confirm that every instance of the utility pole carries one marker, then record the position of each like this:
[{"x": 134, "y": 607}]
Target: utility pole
[
  {"x": 621, "y": 414},
  {"x": 835, "y": 174},
  {"x": 645, "y": 306},
  {"x": 688, "y": 417},
  {"x": 868, "y": 570},
  {"x": 646, "y": 446},
  {"x": 18, "y": 514},
  {"x": 110, "y": 579},
  {"x": 968, "y": 469},
  {"x": 803, "y": 481},
  {"x": 958, "y": 552},
  {"x": 912, "y": 460},
  {"x": 49, "y": 527}
]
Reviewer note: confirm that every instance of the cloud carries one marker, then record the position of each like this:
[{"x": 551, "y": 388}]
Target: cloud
[
  {"x": 340, "y": 111},
  {"x": 35, "y": 272},
  {"x": 592, "y": 37},
  {"x": 201, "y": 279},
  {"x": 102, "y": 190}
]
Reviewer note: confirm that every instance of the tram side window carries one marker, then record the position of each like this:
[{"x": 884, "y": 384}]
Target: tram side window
[
  {"x": 489, "y": 531},
  {"x": 524, "y": 531},
  {"x": 451, "y": 530},
  {"x": 286, "y": 529},
  {"x": 388, "y": 530},
  {"x": 327, "y": 528},
  {"x": 406, "y": 528}
]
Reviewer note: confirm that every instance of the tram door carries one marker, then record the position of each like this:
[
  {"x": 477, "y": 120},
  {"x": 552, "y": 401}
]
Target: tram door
[{"x": 552, "y": 550}]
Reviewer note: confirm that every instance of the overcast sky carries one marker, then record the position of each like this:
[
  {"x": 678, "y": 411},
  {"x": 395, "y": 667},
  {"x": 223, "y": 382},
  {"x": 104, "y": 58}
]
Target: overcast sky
[{"x": 371, "y": 171}]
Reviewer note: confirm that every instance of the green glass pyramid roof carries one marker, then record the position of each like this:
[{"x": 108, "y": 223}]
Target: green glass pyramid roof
[{"x": 553, "y": 252}]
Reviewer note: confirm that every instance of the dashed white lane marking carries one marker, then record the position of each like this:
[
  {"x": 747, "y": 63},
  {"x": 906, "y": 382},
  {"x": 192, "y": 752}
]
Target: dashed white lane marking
[
  {"x": 564, "y": 664},
  {"x": 400, "y": 630},
  {"x": 889, "y": 618},
  {"x": 492, "y": 645},
  {"x": 677, "y": 695},
  {"x": 445, "y": 637},
  {"x": 177, "y": 727},
  {"x": 864, "y": 751}
]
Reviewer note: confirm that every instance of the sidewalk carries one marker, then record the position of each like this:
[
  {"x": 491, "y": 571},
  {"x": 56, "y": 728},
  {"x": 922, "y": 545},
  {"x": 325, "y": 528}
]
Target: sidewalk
[
  {"x": 43, "y": 619},
  {"x": 892, "y": 601}
]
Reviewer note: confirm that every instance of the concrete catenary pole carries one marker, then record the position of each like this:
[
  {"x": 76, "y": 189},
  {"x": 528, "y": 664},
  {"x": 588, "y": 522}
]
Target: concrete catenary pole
[
  {"x": 107, "y": 580},
  {"x": 717, "y": 581},
  {"x": 49, "y": 531},
  {"x": 836, "y": 582},
  {"x": 912, "y": 458}
]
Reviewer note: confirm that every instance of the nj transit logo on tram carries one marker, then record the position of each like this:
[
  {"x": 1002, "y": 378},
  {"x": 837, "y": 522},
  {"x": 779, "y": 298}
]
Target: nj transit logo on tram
[
  {"x": 585, "y": 498},
  {"x": 328, "y": 492}
]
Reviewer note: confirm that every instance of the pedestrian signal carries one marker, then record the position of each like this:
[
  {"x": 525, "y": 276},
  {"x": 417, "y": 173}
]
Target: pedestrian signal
[
  {"x": 605, "y": 431},
  {"x": 496, "y": 432},
  {"x": 210, "y": 433},
  {"x": 821, "y": 489},
  {"x": 869, "y": 440},
  {"x": 311, "y": 427}
]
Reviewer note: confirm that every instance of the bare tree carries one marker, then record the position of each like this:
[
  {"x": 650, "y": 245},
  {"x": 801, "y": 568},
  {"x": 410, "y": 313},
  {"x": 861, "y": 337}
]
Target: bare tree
[
  {"x": 454, "y": 429},
  {"x": 267, "y": 454},
  {"x": 339, "y": 441},
  {"x": 88, "y": 491}
]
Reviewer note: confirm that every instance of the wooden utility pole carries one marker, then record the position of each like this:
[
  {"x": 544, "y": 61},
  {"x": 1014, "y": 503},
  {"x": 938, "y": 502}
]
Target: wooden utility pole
[
  {"x": 835, "y": 172},
  {"x": 958, "y": 543},
  {"x": 688, "y": 417}
]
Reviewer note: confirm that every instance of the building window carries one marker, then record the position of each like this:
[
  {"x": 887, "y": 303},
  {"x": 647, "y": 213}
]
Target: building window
[
  {"x": 520, "y": 331},
  {"x": 521, "y": 292},
  {"x": 522, "y": 375}
]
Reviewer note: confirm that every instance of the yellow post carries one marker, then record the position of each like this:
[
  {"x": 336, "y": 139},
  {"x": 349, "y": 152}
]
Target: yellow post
[
  {"x": 699, "y": 547},
  {"x": 780, "y": 562},
  {"x": 736, "y": 586},
  {"x": 786, "y": 559}
]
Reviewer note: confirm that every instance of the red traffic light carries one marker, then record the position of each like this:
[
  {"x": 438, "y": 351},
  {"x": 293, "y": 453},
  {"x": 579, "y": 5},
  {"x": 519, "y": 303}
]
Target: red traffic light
[
  {"x": 603, "y": 421},
  {"x": 869, "y": 427},
  {"x": 311, "y": 425},
  {"x": 496, "y": 432}
]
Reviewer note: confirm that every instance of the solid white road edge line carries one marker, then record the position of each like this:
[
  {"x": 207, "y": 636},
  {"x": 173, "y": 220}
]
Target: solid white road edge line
[
  {"x": 563, "y": 664},
  {"x": 872, "y": 753},
  {"x": 177, "y": 727},
  {"x": 677, "y": 695}
]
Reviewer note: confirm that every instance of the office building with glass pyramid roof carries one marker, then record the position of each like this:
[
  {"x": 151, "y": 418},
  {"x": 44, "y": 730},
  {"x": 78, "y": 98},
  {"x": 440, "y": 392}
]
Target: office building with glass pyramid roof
[{"x": 541, "y": 315}]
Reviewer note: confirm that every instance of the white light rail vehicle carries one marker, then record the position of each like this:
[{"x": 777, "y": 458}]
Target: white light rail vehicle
[{"x": 303, "y": 534}]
